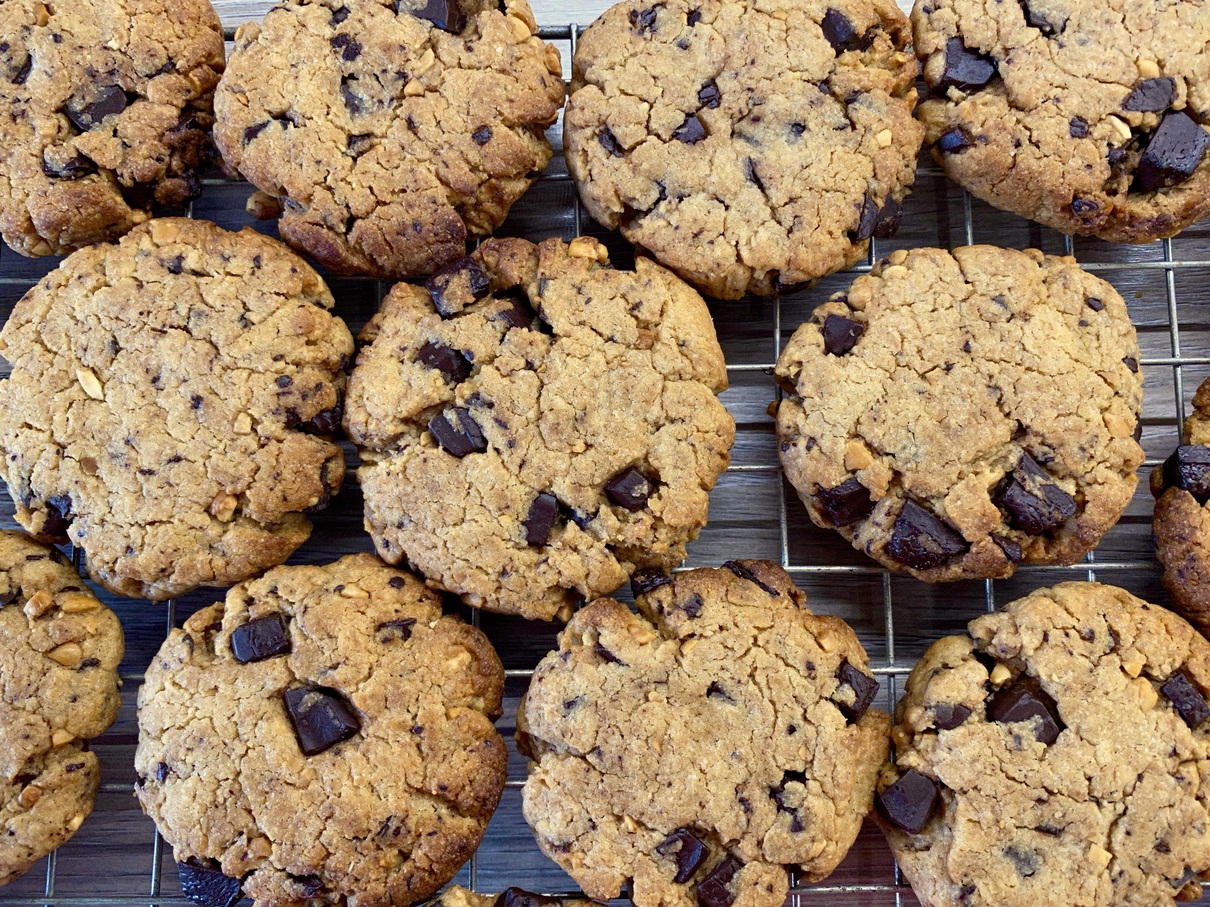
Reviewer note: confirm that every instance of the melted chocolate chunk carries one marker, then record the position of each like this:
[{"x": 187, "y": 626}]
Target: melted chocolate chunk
[
  {"x": 647, "y": 580},
  {"x": 1173, "y": 154},
  {"x": 841, "y": 34},
  {"x": 921, "y": 541},
  {"x": 321, "y": 718},
  {"x": 910, "y": 802},
  {"x": 396, "y": 630},
  {"x": 610, "y": 143},
  {"x": 965, "y": 69},
  {"x": 1025, "y": 700},
  {"x": 744, "y": 573},
  {"x": 73, "y": 168},
  {"x": 350, "y": 49},
  {"x": 1186, "y": 698},
  {"x": 482, "y": 135},
  {"x": 108, "y": 101},
  {"x": 688, "y": 850},
  {"x": 608, "y": 657},
  {"x": 1011, "y": 549},
  {"x": 946, "y": 717},
  {"x": 1035, "y": 503},
  {"x": 1189, "y": 468},
  {"x": 695, "y": 16},
  {"x": 1131, "y": 363},
  {"x": 690, "y": 132},
  {"x": 517, "y": 314},
  {"x": 206, "y": 886},
  {"x": 457, "y": 432},
  {"x": 1151, "y": 95},
  {"x": 457, "y": 285},
  {"x": 845, "y": 504},
  {"x": 709, "y": 95},
  {"x": 864, "y": 688},
  {"x": 890, "y": 216},
  {"x": 447, "y": 15},
  {"x": 1041, "y": 21},
  {"x": 541, "y": 519},
  {"x": 59, "y": 516},
  {"x": 714, "y": 890},
  {"x": 629, "y": 489},
  {"x": 259, "y": 639},
  {"x": 519, "y": 897},
  {"x": 840, "y": 334},
  {"x": 692, "y": 606},
  {"x": 450, "y": 362},
  {"x": 643, "y": 20},
  {"x": 1078, "y": 127},
  {"x": 954, "y": 140}
]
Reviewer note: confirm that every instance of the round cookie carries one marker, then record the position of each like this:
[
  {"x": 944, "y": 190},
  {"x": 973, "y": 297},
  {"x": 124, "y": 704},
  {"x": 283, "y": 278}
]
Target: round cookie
[
  {"x": 325, "y": 737},
  {"x": 538, "y": 425},
  {"x": 59, "y": 655},
  {"x": 390, "y": 130},
  {"x": 170, "y": 406},
  {"x": 702, "y": 747},
  {"x": 1181, "y": 522},
  {"x": 105, "y": 115},
  {"x": 457, "y": 896},
  {"x": 1083, "y": 115},
  {"x": 749, "y": 147},
  {"x": 956, "y": 414},
  {"x": 1056, "y": 754}
]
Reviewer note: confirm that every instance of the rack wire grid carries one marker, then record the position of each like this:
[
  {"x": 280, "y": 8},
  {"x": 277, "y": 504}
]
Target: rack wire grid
[{"x": 118, "y": 860}]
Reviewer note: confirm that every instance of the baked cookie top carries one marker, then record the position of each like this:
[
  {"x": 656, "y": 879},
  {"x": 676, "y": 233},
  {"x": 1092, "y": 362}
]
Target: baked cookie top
[
  {"x": 704, "y": 745},
  {"x": 749, "y": 147},
  {"x": 1085, "y": 115},
  {"x": 457, "y": 896},
  {"x": 391, "y": 130},
  {"x": 955, "y": 414},
  {"x": 1058, "y": 749},
  {"x": 105, "y": 115},
  {"x": 326, "y": 737},
  {"x": 537, "y": 425},
  {"x": 59, "y": 655},
  {"x": 170, "y": 406}
]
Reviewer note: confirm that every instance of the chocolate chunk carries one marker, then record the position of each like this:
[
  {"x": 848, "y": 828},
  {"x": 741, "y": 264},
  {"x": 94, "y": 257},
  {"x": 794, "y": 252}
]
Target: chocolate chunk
[
  {"x": 517, "y": 314},
  {"x": 351, "y": 50},
  {"x": 695, "y": 16},
  {"x": 73, "y": 168},
  {"x": 709, "y": 95},
  {"x": 1035, "y": 503},
  {"x": 1186, "y": 698},
  {"x": 946, "y": 717},
  {"x": 23, "y": 73},
  {"x": 162, "y": 771},
  {"x": 910, "y": 802},
  {"x": 1151, "y": 95},
  {"x": 1131, "y": 363},
  {"x": 954, "y": 140},
  {"x": 482, "y": 135},
  {"x": 688, "y": 850},
  {"x": 339, "y": 16},
  {"x": 692, "y": 606},
  {"x": 321, "y": 718},
  {"x": 1025, "y": 700},
  {"x": 58, "y": 516},
  {"x": 1173, "y": 154},
  {"x": 457, "y": 432},
  {"x": 396, "y": 630},
  {"x": 1011, "y": 549},
  {"x": 108, "y": 101},
  {"x": 1077, "y": 128},
  {"x": 1024, "y": 860},
  {"x": 643, "y": 20},
  {"x": 840, "y": 334},
  {"x": 921, "y": 541},
  {"x": 1082, "y": 206},
  {"x": 352, "y": 101},
  {"x": 841, "y": 34},
  {"x": 457, "y": 285},
  {"x": 1095, "y": 304},
  {"x": 714, "y": 890},
  {"x": 208, "y": 887},
  {"x": 307, "y": 886},
  {"x": 324, "y": 424},
  {"x": 610, "y": 143},
  {"x": 259, "y": 639},
  {"x": 845, "y": 504},
  {"x": 867, "y": 220},
  {"x": 890, "y": 216},
  {"x": 447, "y": 15},
  {"x": 605, "y": 655},
  {"x": 690, "y": 132},
  {"x": 1189, "y": 468},
  {"x": 717, "y": 691},
  {"x": 965, "y": 69},
  {"x": 450, "y": 362},
  {"x": 647, "y": 580},
  {"x": 519, "y": 897},
  {"x": 1042, "y": 22},
  {"x": 864, "y": 688},
  {"x": 744, "y": 573},
  {"x": 541, "y": 519},
  {"x": 629, "y": 489}
]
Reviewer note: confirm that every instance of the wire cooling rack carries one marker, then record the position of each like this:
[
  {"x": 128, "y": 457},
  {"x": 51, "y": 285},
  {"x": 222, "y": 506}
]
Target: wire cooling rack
[{"x": 118, "y": 860}]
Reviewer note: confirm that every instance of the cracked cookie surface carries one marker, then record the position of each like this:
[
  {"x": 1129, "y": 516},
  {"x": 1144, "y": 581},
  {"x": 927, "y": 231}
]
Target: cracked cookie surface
[
  {"x": 957, "y": 414},
  {"x": 1061, "y": 746},
  {"x": 390, "y": 130},
  {"x": 105, "y": 115},
  {"x": 373, "y": 789},
  {"x": 170, "y": 406},
  {"x": 539, "y": 425},
  {"x": 704, "y": 745},
  {"x": 1088, "y": 116},
  {"x": 749, "y": 147},
  {"x": 59, "y": 655}
]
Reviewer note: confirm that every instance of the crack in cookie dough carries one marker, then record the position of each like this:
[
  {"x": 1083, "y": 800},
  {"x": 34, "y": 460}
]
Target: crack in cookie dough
[
  {"x": 1111, "y": 811},
  {"x": 725, "y": 714},
  {"x": 59, "y": 655},
  {"x": 171, "y": 404},
  {"x": 556, "y": 430},
  {"x": 957, "y": 414},
  {"x": 750, "y": 148},
  {"x": 1085, "y": 115},
  {"x": 105, "y": 115},
  {"x": 385, "y": 816},
  {"x": 388, "y": 138}
]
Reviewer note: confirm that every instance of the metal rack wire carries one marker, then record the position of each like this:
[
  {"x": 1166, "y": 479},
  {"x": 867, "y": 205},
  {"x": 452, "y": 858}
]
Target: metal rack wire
[{"x": 880, "y": 884}]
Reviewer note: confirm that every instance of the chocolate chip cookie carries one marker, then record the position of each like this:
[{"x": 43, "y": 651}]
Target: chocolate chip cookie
[
  {"x": 536, "y": 425},
  {"x": 325, "y": 737},
  {"x": 390, "y": 130},
  {"x": 457, "y": 896},
  {"x": 171, "y": 405},
  {"x": 1080, "y": 114},
  {"x": 747, "y": 147},
  {"x": 702, "y": 746},
  {"x": 1056, "y": 753},
  {"x": 105, "y": 115},
  {"x": 956, "y": 414},
  {"x": 59, "y": 655}
]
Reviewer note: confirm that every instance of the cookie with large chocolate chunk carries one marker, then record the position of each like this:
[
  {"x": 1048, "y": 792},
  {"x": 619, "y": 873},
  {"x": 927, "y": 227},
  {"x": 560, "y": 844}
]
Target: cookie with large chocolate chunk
[
  {"x": 171, "y": 406},
  {"x": 981, "y": 413},
  {"x": 1069, "y": 112},
  {"x": 738, "y": 740},
  {"x": 391, "y": 132},
  {"x": 366, "y": 725},
  {"x": 105, "y": 116},
  {"x": 457, "y": 896},
  {"x": 1054, "y": 753},
  {"x": 566, "y": 433},
  {"x": 747, "y": 148}
]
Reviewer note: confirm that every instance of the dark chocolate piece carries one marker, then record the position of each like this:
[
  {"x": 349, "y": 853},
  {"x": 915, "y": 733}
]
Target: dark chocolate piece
[
  {"x": 965, "y": 69},
  {"x": 845, "y": 504},
  {"x": 259, "y": 639},
  {"x": 690, "y": 132},
  {"x": 519, "y": 897},
  {"x": 629, "y": 489},
  {"x": 921, "y": 541},
  {"x": 643, "y": 20},
  {"x": 954, "y": 140},
  {"x": 744, "y": 573},
  {"x": 108, "y": 101},
  {"x": 610, "y": 143},
  {"x": 73, "y": 168},
  {"x": 647, "y": 580},
  {"x": 321, "y": 718},
  {"x": 59, "y": 516},
  {"x": 910, "y": 802},
  {"x": 840, "y": 334},
  {"x": 457, "y": 285},
  {"x": 208, "y": 887},
  {"x": 1186, "y": 698},
  {"x": 841, "y": 34},
  {"x": 447, "y": 15},
  {"x": 946, "y": 717},
  {"x": 1151, "y": 95},
  {"x": 450, "y": 362},
  {"x": 864, "y": 688},
  {"x": 688, "y": 850},
  {"x": 709, "y": 95},
  {"x": 1189, "y": 468},
  {"x": 541, "y": 519},
  {"x": 1034, "y": 501},
  {"x": 457, "y": 432},
  {"x": 1025, "y": 700},
  {"x": 482, "y": 135},
  {"x": 714, "y": 890},
  {"x": 1041, "y": 21},
  {"x": 1173, "y": 154},
  {"x": 396, "y": 630}
]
